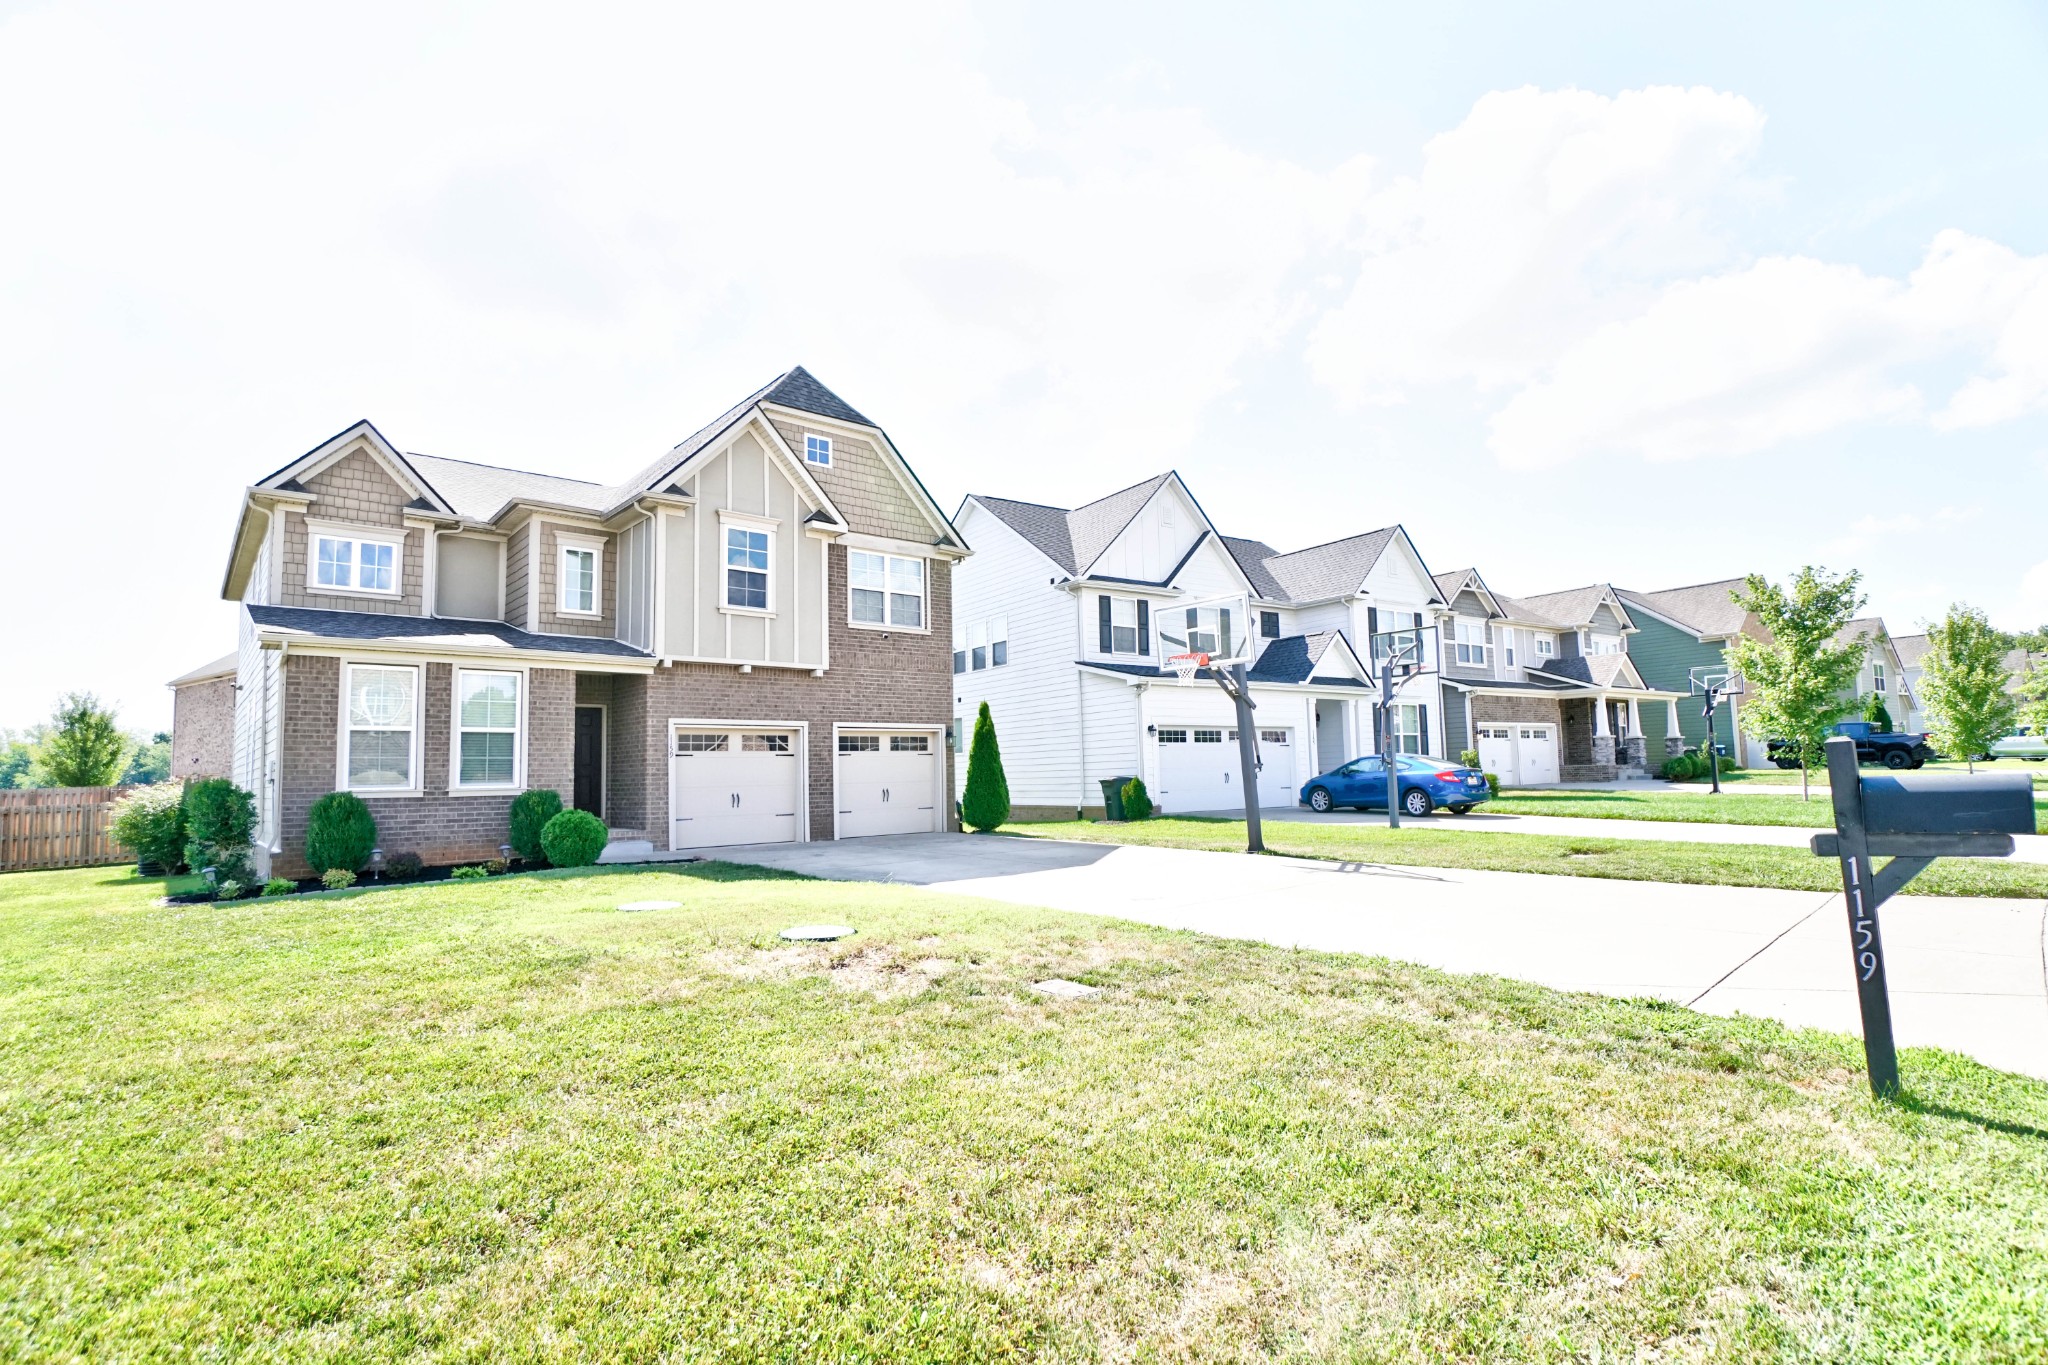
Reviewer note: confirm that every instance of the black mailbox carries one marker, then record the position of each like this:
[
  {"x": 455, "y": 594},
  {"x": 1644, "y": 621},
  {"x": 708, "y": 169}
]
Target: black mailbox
[{"x": 1922, "y": 803}]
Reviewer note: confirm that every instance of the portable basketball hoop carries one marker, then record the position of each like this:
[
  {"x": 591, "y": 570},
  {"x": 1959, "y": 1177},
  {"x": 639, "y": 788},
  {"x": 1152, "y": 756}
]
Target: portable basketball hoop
[
  {"x": 1710, "y": 684},
  {"x": 1186, "y": 666},
  {"x": 1216, "y": 635}
]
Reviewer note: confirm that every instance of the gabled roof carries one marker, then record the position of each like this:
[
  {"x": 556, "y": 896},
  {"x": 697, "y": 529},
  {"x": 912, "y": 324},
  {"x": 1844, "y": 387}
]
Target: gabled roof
[
  {"x": 1871, "y": 626},
  {"x": 1294, "y": 658},
  {"x": 1912, "y": 648},
  {"x": 1074, "y": 538},
  {"x": 1449, "y": 585},
  {"x": 1708, "y": 609},
  {"x": 401, "y": 466},
  {"x": 478, "y": 492},
  {"x": 226, "y": 666},
  {"x": 1337, "y": 569},
  {"x": 1572, "y": 607},
  {"x": 1597, "y": 670}
]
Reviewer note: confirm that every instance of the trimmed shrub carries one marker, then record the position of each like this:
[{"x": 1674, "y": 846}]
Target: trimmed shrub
[
  {"x": 574, "y": 839},
  {"x": 337, "y": 879},
  {"x": 1492, "y": 784},
  {"x": 280, "y": 886},
  {"x": 340, "y": 832},
  {"x": 1137, "y": 801},
  {"x": 531, "y": 812},
  {"x": 150, "y": 823},
  {"x": 985, "y": 804},
  {"x": 1469, "y": 757},
  {"x": 1874, "y": 711},
  {"x": 220, "y": 820},
  {"x": 467, "y": 874},
  {"x": 230, "y": 890},
  {"x": 404, "y": 867}
]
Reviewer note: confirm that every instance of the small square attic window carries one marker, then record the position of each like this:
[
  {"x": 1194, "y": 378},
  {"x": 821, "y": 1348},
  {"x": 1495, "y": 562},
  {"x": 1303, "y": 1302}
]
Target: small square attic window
[{"x": 817, "y": 450}]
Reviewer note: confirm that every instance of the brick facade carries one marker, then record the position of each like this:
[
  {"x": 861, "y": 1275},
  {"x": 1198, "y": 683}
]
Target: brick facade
[
  {"x": 438, "y": 826},
  {"x": 1531, "y": 710}
]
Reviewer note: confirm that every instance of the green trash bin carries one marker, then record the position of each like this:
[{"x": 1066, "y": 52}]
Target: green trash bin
[{"x": 1113, "y": 797}]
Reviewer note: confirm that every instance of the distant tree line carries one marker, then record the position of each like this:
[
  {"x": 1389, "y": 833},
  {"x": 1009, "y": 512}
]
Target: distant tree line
[{"x": 82, "y": 745}]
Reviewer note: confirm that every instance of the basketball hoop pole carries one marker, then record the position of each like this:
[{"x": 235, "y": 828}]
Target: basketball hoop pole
[{"x": 1236, "y": 685}]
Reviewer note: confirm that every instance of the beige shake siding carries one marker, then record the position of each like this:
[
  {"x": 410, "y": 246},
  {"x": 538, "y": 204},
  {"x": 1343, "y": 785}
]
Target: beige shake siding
[{"x": 354, "y": 491}]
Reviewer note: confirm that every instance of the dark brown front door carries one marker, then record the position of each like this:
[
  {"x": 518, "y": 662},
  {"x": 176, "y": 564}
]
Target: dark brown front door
[{"x": 590, "y": 759}]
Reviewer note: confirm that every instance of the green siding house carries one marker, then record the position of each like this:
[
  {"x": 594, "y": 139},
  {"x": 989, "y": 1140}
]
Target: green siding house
[{"x": 1679, "y": 629}]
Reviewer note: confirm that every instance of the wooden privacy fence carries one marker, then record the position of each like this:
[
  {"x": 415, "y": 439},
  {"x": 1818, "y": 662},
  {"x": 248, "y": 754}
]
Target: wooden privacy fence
[{"x": 58, "y": 827}]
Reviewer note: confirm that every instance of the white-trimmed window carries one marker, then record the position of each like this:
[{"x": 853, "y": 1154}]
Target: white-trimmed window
[
  {"x": 1123, "y": 625},
  {"x": 579, "y": 572},
  {"x": 1408, "y": 729},
  {"x": 998, "y": 641},
  {"x": 885, "y": 590},
  {"x": 1602, "y": 644},
  {"x": 747, "y": 557},
  {"x": 977, "y": 646},
  {"x": 380, "y": 727},
  {"x": 487, "y": 714},
  {"x": 1208, "y": 736},
  {"x": 817, "y": 449},
  {"x": 1877, "y": 677},
  {"x": 1545, "y": 646},
  {"x": 959, "y": 646},
  {"x": 1471, "y": 642},
  {"x": 343, "y": 561}
]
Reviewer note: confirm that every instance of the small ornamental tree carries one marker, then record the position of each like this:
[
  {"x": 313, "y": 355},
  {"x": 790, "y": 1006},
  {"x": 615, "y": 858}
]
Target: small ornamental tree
[
  {"x": 985, "y": 805},
  {"x": 2033, "y": 697},
  {"x": 340, "y": 832},
  {"x": 1963, "y": 678},
  {"x": 1137, "y": 801},
  {"x": 1798, "y": 677},
  {"x": 531, "y": 811},
  {"x": 85, "y": 747},
  {"x": 1874, "y": 711}
]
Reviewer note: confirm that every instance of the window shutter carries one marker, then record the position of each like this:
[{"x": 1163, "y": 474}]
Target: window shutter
[
  {"x": 1108, "y": 641},
  {"x": 1422, "y": 715},
  {"x": 1372, "y": 625},
  {"x": 1144, "y": 626},
  {"x": 1378, "y": 744}
]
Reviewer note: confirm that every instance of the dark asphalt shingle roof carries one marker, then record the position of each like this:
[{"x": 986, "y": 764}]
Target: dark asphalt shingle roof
[
  {"x": 1708, "y": 608},
  {"x": 1292, "y": 658},
  {"x": 317, "y": 624},
  {"x": 1333, "y": 570}
]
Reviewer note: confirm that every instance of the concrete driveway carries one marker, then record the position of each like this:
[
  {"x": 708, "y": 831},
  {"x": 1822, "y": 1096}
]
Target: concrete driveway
[{"x": 1966, "y": 974}]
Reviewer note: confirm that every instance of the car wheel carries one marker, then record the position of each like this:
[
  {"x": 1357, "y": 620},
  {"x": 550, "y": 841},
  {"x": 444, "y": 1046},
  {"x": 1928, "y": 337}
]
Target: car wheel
[
  {"x": 1785, "y": 764},
  {"x": 1415, "y": 801},
  {"x": 1898, "y": 758},
  {"x": 1319, "y": 800},
  {"x": 2031, "y": 758},
  {"x": 1460, "y": 809}
]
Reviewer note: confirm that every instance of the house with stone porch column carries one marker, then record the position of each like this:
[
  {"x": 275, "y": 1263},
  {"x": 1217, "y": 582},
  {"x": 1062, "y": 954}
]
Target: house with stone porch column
[
  {"x": 1544, "y": 688},
  {"x": 743, "y": 641}
]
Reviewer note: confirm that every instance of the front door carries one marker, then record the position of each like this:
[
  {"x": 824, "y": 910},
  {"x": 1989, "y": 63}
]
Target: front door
[{"x": 589, "y": 787}]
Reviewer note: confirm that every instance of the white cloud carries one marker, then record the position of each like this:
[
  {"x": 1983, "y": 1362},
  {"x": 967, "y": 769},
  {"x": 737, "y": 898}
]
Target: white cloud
[{"x": 2034, "y": 595}]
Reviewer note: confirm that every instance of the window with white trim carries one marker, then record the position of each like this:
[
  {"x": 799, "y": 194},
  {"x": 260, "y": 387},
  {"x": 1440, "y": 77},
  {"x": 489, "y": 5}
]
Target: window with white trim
[
  {"x": 1272, "y": 736},
  {"x": 380, "y": 721},
  {"x": 764, "y": 744},
  {"x": 355, "y": 564},
  {"x": 886, "y": 590},
  {"x": 1546, "y": 645},
  {"x": 817, "y": 449},
  {"x": 486, "y": 728},
  {"x": 746, "y": 568},
  {"x": 977, "y": 646},
  {"x": 998, "y": 641},
  {"x": 701, "y": 744},
  {"x": 577, "y": 587},
  {"x": 1408, "y": 729},
  {"x": 1269, "y": 625},
  {"x": 1471, "y": 642},
  {"x": 1123, "y": 625},
  {"x": 959, "y": 646},
  {"x": 1877, "y": 677},
  {"x": 1602, "y": 644}
]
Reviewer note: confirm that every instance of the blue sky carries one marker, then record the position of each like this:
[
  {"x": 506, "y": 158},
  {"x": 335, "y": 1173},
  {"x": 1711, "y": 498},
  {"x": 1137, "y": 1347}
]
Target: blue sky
[{"x": 1650, "y": 294}]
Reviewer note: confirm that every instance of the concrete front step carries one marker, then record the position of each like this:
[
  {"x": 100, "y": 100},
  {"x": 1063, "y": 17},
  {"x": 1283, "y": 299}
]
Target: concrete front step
[{"x": 627, "y": 850}]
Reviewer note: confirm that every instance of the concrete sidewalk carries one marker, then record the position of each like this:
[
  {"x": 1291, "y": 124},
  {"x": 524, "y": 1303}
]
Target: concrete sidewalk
[
  {"x": 2027, "y": 848},
  {"x": 1966, "y": 974}
]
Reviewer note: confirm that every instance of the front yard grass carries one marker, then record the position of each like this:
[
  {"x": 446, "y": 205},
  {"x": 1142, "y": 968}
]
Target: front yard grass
[
  {"x": 1415, "y": 844},
  {"x": 1704, "y": 808},
  {"x": 1780, "y": 777},
  {"x": 506, "y": 1121}
]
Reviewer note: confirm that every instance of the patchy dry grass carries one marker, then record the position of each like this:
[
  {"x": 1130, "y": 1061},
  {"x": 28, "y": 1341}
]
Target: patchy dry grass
[{"x": 505, "y": 1121}]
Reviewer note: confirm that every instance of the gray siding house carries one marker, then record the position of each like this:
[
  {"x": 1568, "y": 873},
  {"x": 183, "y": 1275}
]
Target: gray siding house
[{"x": 745, "y": 641}]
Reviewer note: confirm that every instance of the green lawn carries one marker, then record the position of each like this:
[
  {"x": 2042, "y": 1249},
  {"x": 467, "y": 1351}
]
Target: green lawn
[
  {"x": 1415, "y": 844},
  {"x": 1778, "y": 777},
  {"x": 507, "y": 1122},
  {"x": 1704, "y": 808}
]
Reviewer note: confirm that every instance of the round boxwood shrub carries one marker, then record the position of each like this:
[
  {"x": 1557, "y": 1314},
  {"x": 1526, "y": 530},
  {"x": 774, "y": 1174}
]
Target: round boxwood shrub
[
  {"x": 531, "y": 812},
  {"x": 150, "y": 823},
  {"x": 340, "y": 832},
  {"x": 574, "y": 839}
]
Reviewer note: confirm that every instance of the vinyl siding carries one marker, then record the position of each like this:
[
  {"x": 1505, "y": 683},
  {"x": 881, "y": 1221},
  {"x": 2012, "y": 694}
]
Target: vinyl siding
[{"x": 1664, "y": 655}]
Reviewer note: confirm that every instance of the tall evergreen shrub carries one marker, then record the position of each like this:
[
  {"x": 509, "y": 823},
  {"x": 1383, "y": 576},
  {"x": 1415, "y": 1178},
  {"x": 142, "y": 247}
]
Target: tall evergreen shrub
[{"x": 986, "y": 803}]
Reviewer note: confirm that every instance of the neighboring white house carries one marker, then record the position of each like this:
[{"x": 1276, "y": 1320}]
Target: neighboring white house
[{"x": 1056, "y": 626}]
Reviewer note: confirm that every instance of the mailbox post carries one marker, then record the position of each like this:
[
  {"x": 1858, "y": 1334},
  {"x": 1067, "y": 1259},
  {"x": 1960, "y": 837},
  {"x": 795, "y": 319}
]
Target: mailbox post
[{"x": 1910, "y": 820}]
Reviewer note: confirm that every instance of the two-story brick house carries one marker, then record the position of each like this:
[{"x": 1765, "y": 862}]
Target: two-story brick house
[{"x": 745, "y": 641}]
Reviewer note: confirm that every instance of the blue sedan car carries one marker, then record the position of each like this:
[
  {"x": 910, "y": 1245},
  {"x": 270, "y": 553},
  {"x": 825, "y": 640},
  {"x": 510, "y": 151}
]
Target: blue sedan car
[{"x": 1426, "y": 783}]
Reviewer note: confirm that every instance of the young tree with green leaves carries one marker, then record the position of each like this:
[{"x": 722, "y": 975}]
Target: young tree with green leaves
[
  {"x": 1800, "y": 679},
  {"x": 1875, "y": 711},
  {"x": 1963, "y": 679},
  {"x": 85, "y": 747},
  {"x": 985, "y": 803},
  {"x": 149, "y": 760},
  {"x": 2032, "y": 698},
  {"x": 18, "y": 756}
]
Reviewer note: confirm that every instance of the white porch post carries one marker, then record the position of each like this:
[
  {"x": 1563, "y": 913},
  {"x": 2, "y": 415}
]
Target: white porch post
[
  {"x": 1671, "y": 717},
  {"x": 1635, "y": 720},
  {"x": 1600, "y": 730}
]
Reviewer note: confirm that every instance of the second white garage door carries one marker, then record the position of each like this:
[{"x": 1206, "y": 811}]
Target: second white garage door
[
  {"x": 1198, "y": 769},
  {"x": 733, "y": 786},
  {"x": 888, "y": 782},
  {"x": 1519, "y": 755}
]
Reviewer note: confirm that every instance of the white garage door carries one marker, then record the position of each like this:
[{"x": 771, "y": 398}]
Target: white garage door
[
  {"x": 1519, "y": 755},
  {"x": 1199, "y": 769},
  {"x": 1497, "y": 753},
  {"x": 733, "y": 786},
  {"x": 888, "y": 782}
]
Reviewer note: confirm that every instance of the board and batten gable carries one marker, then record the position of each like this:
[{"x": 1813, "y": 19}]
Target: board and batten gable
[
  {"x": 1034, "y": 698},
  {"x": 1155, "y": 541},
  {"x": 353, "y": 490},
  {"x": 743, "y": 484}
]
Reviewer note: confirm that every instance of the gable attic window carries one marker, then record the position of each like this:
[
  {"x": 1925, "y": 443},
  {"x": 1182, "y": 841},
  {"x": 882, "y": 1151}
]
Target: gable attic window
[
  {"x": 885, "y": 590},
  {"x": 1545, "y": 646},
  {"x": 578, "y": 585},
  {"x": 345, "y": 559},
  {"x": 817, "y": 449}
]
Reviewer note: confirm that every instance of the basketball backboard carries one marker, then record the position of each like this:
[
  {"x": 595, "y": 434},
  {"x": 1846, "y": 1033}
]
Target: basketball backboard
[
  {"x": 1714, "y": 679},
  {"x": 1206, "y": 632},
  {"x": 1412, "y": 649}
]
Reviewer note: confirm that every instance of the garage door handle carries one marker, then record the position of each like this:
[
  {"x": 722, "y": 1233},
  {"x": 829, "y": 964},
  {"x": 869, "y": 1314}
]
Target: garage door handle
[{"x": 885, "y": 793}]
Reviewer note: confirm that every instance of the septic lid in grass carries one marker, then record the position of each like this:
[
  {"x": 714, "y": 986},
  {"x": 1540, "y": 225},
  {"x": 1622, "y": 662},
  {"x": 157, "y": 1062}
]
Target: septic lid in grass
[
  {"x": 816, "y": 933},
  {"x": 651, "y": 905},
  {"x": 1061, "y": 988}
]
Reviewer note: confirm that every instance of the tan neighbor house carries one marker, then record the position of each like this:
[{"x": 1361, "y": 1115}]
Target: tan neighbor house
[
  {"x": 745, "y": 641},
  {"x": 203, "y": 720}
]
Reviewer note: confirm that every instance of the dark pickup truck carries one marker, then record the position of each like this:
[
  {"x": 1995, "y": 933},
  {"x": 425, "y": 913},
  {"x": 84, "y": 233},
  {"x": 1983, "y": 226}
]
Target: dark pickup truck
[{"x": 1872, "y": 746}]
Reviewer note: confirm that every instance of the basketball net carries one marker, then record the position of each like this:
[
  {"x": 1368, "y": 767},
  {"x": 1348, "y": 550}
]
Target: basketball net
[{"x": 1186, "y": 666}]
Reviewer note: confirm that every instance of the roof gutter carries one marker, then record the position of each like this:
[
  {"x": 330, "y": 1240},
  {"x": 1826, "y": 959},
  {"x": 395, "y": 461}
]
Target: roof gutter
[{"x": 613, "y": 663}]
